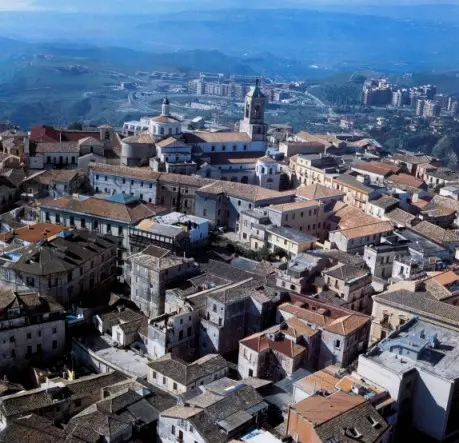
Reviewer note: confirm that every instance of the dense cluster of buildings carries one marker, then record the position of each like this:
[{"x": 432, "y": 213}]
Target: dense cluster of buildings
[
  {"x": 423, "y": 99},
  {"x": 130, "y": 310}
]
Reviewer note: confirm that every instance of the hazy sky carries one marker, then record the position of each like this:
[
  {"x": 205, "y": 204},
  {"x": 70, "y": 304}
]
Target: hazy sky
[{"x": 164, "y": 5}]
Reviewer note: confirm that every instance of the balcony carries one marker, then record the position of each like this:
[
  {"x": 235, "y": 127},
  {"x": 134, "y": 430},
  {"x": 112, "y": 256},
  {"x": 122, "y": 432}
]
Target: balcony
[{"x": 385, "y": 324}]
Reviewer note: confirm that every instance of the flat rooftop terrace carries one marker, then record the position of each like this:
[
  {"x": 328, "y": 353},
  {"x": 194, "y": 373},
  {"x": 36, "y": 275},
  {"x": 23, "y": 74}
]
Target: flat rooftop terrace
[{"x": 425, "y": 346}]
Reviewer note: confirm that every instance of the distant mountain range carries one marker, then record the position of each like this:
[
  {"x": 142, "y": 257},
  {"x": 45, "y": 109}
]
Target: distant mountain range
[
  {"x": 35, "y": 86},
  {"x": 383, "y": 38}
]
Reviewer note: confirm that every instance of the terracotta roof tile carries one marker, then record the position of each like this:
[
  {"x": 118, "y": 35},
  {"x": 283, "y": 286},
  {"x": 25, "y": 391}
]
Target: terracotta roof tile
[
  {"x": 406, "y": 179},
  {"x": 295, "y": 205},
  {"x": 365, "y": 231},
  {"x": 318, "y": 191},
  {"x": 318, "y": 409}
]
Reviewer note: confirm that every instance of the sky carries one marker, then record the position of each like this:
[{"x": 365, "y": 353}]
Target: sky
[{"x": 169, "y": 5}]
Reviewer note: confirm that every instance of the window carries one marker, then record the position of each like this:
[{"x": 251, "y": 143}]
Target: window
[
  {"x": 54, "y": 345},
  {"x": 214, "y": 308},
  {"x": 13, "y": 353},
  {"x": 374, "y": 423},
  {"x": 12, "y": 339},
  {"x": 174, "y": 386},
  {"x": 38, "y": 333},
  {"x": 250, "y": 372},
  {"x": 212, "y": 148},
  {"x": 29, "y": 335},
  {"x": 223, "y": 148},
  {"x": 188, "y": 333},
  {"x": 154, "y": 375},
  {"x": 164, "y": 380},
  {"x": 29, "y": 351},
  {"x": 337, "y": 344},
  {"x": 54, "y": 330},
  {"x": 173, "y": 430},
  {"x": 180, "y": 335},
  {"x": 354, "y": 432}
]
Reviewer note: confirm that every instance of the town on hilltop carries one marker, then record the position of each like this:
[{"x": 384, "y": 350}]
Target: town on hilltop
[{"x": 172, "y": 281}]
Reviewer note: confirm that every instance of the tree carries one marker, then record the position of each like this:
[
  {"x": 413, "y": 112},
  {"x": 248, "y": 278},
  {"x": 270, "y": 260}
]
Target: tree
[
  {"x": 453, "y": 161},
  {"x": 443, "y": 147},
  {"x": 76, "y": 126}
]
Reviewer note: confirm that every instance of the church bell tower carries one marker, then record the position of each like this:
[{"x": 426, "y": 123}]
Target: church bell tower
[{"x": 254, "y": 114}]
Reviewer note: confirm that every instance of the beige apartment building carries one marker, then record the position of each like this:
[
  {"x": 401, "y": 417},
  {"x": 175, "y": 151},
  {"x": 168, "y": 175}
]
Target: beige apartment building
[
  {"x": 357, "y": 191},
  {"x": 289, "y": 240},
  {"x": 312, "y": 169},
  {"x": 306, "y": 216}
]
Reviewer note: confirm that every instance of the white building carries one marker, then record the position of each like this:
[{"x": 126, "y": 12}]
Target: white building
[
  {"x": 32, "y": 329},
  {"x": 417, "y": 364},
  {"x": 178, "y": 377},
  {"x": 196, "y": 227}
]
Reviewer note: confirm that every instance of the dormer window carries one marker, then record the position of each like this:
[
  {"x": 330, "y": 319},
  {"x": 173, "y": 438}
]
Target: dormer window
[
  {"x": 374, "y": 423},
  {"x": 354, "y": 433}
]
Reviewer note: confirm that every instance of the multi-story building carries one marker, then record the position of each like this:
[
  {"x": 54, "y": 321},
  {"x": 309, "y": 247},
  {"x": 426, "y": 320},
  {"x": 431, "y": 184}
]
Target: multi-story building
[
  {"x": 63, "y": 267},
  {"x": 319, "y": 193},
  {"x": 306, "y": 216},
  {"x": 352, "y": 285},
  {"x": 417, "y": 365},
  {"x": 110, "y": 215},
  {"x": 401, "y": 97},
  {"x": 376, "y": 171},
  {"x": 312, "y": 169},
  {"x": 179, "y": 377},
  {"x": 197, "y": 228},
  {"x": 431, "y": 109},
  {"x": 149, "y": 272},
  {"x": 354, "y": 240},
  {"x": 57, "y": 401},
  {"x": 376, "y": 92},
  {"x": 55, "y": 183},
  {"x": 358, "y": 191},
  {"x": 51, "y": 148},
  {"x": 406, "y": 300},
  {"x": 177, "y": 330},
  {"x": 380, "y": 257},
  {"x": 300, "y": 272},
  {"x": 218, "y": 201},
  {"x": 233, "y": 312},
  {"x": 291, "y": 241},
  {"x": 411, "y": 162},
  {"x": 343, "y": 333},
  {"x": 278, "y": 352},
  {"x": 224, "y": 410},
  {"x": 32, "y": 328},
  {"x": 338, "y": 417}
]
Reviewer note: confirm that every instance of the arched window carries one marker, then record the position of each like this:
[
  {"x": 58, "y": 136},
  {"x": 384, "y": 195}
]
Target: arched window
[{"x": 245, "y": 179}]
